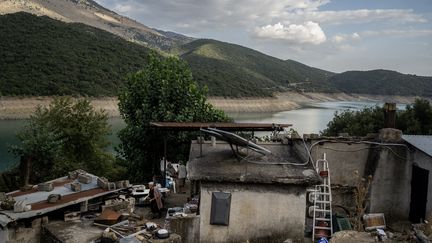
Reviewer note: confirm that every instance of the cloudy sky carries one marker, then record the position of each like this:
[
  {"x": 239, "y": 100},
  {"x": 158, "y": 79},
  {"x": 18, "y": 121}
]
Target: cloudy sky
[{"x": 336, "y": 35}]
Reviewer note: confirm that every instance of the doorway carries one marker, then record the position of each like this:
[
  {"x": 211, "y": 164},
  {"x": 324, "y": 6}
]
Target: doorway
[{"x": 419, "y": 191}]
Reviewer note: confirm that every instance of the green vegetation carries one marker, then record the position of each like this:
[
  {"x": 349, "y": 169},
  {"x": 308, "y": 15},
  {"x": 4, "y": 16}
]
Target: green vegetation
[
  {"x": 43, "y": 56},
  {"x": 415, "y": 119},
  {"x": 65, "y": 136},
  {"x": 163, "y": 91},
  {"x": 235, "y": 71},
  {"x": 382, "y": 82}
]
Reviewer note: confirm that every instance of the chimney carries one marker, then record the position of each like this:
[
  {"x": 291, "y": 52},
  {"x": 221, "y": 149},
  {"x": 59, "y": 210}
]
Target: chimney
[{"x": 390, "y": 115}]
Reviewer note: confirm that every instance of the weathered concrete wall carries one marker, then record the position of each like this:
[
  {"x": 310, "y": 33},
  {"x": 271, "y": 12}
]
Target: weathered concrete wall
[
  {"x": 21, "y": 234},
  {"x": 391, "y": 186},
  {"x": 186, "y": 227},
  {"x": 422, "y": 160},
  {"x": 259, "y": 213},
  {"x": 344, "y": 159},
  {"x": 391, "y": 170}
]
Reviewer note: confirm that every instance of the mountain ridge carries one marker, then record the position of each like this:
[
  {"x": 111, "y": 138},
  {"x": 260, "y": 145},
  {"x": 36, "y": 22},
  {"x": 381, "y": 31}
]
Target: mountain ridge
[{"x": 93, "y": 14}]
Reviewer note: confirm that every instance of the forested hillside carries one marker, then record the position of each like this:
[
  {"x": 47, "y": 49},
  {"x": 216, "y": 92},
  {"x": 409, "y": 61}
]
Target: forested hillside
[
  {"x": 233, "y": 70},
  {"x": 382, "y": 82},
  {"x": 42, "y": 56}
]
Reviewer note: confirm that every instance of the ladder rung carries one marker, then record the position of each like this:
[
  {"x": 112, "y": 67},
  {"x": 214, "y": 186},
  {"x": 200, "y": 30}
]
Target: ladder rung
[
  {"x": 322, "y": 219},
  {"x": 323, "y": 227},
  {"x": 327, "y": 202},
  {"x": 322, "y": 193},
  {"x": 323, "y": 210}
]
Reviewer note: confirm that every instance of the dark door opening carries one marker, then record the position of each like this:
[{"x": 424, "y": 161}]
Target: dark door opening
[{"x": 419, "y": 189}]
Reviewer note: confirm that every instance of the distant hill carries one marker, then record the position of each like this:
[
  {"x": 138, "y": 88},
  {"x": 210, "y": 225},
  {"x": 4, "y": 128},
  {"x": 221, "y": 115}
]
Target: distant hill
[
  {"x": 382, "y": 82},
  {"x": 91, "y": 13},
  {"x": 42, "y": 56},
  {"x": 233, "y": 70}
]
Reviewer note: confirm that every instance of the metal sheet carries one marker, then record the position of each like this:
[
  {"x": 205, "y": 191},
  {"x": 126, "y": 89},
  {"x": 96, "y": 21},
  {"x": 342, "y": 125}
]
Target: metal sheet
[
  {"x": 421, "y": 142},
  {"x": 220, "y": 208}
]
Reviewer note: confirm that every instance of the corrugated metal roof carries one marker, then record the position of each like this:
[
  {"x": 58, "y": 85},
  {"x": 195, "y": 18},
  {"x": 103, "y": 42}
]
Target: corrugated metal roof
[
  {"x": 421, "y": 142},
  {"x": 38, "y": 199}
]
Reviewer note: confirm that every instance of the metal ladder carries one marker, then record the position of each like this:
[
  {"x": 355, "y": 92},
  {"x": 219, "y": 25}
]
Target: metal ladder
[{"x": 322, "y": 213}]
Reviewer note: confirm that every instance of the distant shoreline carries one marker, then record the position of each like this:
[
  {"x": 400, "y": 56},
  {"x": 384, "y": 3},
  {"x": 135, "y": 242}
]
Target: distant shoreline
[{"x": 22, "y": 108}]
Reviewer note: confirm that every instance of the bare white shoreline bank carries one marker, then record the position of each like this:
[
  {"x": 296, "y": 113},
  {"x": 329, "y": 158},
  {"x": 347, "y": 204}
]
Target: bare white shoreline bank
[{"x": 22, "y": 108}]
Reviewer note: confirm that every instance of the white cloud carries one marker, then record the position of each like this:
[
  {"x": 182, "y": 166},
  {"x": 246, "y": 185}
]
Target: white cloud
[
  {"x": 339, "y": 38},
  {"x": 309, "y": 32}
]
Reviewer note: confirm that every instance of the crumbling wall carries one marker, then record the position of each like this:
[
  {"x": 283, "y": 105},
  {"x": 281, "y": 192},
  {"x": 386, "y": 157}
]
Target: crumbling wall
[
  {"x": 259, "y": 213},
  {"x": 22, "y": 233}
]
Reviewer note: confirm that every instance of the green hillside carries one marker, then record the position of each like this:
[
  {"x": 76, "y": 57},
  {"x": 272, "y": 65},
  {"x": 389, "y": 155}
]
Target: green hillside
[
  {"x": 233, "y": 70},
  {"x": 42, "y": 56},
  {"x": 382, "y": 82}
]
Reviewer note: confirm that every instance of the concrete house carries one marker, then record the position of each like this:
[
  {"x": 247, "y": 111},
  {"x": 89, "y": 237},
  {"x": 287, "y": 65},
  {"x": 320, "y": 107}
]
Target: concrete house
[
  {"x": 248, "y": 196},
  {"x": 400, "y": 168}
]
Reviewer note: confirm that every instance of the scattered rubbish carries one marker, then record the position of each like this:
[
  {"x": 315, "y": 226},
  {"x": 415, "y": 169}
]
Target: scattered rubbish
[
  {"x": 382, "y": 236},
  {"x": 322, "y": 240},
  {"x": 162, "y": 234},
  {"x": 72, "y": 216},
  {"x": 374, "y": 221},
  {"x": 108, "y": 217}
]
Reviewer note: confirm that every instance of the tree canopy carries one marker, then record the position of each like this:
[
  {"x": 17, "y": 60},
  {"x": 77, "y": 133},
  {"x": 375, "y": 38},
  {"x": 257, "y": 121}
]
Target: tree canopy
[
  {"x": 415, "y": 119},
  {"x": 163, "y": 91},
  {"x": 64, "y": 136}
]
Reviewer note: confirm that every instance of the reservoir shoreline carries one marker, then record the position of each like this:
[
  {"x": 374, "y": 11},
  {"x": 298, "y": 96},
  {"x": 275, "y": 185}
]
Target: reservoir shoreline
[{"x": 23, "y": 107}]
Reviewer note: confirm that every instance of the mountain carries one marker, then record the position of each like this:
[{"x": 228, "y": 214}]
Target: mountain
[
  {"x": 91, "y": 13},
  {"x": 235, "y": 71},
  {"x": 382, "y": 82},
  {"x": 43, "y": 56}
]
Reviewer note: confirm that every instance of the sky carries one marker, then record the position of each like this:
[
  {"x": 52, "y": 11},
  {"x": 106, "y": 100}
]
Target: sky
[{"x": 335, "y": 35}]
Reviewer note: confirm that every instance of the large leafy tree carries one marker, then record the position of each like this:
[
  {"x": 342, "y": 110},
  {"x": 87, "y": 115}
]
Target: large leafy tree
[
  {"x": 415, "y": 119},
  {"x": 64, "y": 136},
  {"x": 163, "y": 91}
]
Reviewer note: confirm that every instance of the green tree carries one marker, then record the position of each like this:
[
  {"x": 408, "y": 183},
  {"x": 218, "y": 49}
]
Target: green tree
[
  {"x": 64, "y": 136},
  {"x": 415, "y": 119},
  {"x": 356, "y": 123},
  {"x": 163, "y": 91}
]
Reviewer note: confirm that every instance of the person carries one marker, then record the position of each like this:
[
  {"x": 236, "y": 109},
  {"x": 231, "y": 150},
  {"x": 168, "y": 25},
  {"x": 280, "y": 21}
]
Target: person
[
  {"x": 182, "y": 177},
  {"x": 155, "y": 201}
]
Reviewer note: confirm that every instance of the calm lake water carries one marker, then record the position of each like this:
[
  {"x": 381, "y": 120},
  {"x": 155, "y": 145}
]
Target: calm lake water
[{"x": 311, "y": 118}]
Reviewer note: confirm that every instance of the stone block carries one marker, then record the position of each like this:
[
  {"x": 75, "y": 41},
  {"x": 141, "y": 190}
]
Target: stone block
[
  {"x": 83, "y": 178},
  {"x": 102, "y": 182},
  {"x": 390, "y": 135},
  {"x": 111, "y": 186},
  {"x": 53, "y": 198},
  {"x": 45, "y": 187},
  {"x": 126, "y": 184},
  {"x": 21, "y": 206},
  {"x": 119, "y": 184},
  {"x": 76, "y": 186}
]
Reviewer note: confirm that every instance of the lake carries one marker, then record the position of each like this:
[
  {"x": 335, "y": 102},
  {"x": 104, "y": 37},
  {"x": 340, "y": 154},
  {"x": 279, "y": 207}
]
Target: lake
[{"x": 311, "y": 118}]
